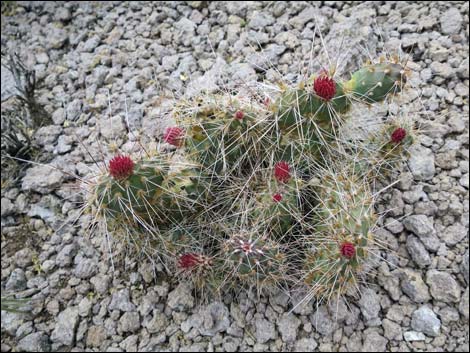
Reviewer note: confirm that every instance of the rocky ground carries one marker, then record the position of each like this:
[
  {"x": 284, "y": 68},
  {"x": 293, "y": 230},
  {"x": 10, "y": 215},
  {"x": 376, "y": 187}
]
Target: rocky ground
[{"x": 106, "y": 68}]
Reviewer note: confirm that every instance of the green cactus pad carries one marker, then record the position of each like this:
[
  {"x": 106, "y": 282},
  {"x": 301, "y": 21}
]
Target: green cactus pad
[
  {"x": 252, "y": 259},
  {"x": 373, "y": 83},
  {"x": 153, "y": 194},
  {"x": 220, "y": 141}
]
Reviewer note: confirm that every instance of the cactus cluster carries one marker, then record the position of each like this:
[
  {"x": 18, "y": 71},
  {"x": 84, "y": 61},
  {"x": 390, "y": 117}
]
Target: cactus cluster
[{"x": 269, "y": 193}]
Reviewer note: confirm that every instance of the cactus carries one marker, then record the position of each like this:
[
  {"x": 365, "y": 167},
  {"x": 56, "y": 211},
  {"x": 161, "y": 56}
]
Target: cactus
[
  {"x": 342, "y": 237},
  {"x": 374, "y": 82},
  {"x": 276, "y": 201},
  {"x": 266, "y": 194},
  {"x": 147, "y": 190},
  {"x": 329, "y": 98},
  {"x": 251, "y": 259},
  {"x": 222, "y": 134}
]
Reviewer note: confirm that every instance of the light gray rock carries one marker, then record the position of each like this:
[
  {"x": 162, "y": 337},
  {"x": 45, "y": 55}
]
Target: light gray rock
[
  {"x": 451, "y": 21},
  {"x": 112, "y": 128},
  {"x": 130, "y": 343},
  {"x": 58, "y": 117},
  {"x": 425, "y": 320},
  {"x": 231, "y": 344},
  {"x": 288, "y": 326},
  {"x": 369, "y": 304},
  {"x": 17, "y": 281},
  {"x": 64, "y": 144},
  {"x": 421, "y": 162},
  {"x": 34, "y": 342},
  {"x": 120, "y": 300},
  {"x": 419, "y": 225},
  {"x": 305, "y": 345},
  {"x": 47, "y": 135},
  {"x": 413, "y": 286},
  {"x": 374, "y": 342},
  {"x": 443, "y": 286},
  {"x": 66, "y": 327},
  {"x": 392, "y": 330},
  {"x": 91, "y": 44},
  {"x": 84, "y": 307},
  {"x": 215, "y": 319},
  {"x": 8, "y": 86},
  {"x": 74, "y": 109},
  {"x": 66, "y": 255},
  {"x": 464, "y": 266},
  {"x": 446, "y": 71},
  {"x": 101, "y": 283},
  {"x": 308, "y": 14},
  {"x": 95, "y": 336},
  {"x": 338, "y": 309},
  {"x": 159, "y": 323},
  {"x": 181, "y": 298},
  {"x": 24, "y": 257},
  {"x": 42, "y": 179},
  {"x": 413, "y": 336},
  {"x": 62, "y": 14},
  {"x": 186, "y": 25},
  {"x": 56, "y": 38},
  {"x": 129, "y": 321},
  {"x": 265, "y": 330},
  {"x": 8, "y": 207},
  {"x": 11, "y": 322},
  {"x": 322, "y": 321},
  {"x": 418, "y": 252},
  {"x": 463, "y": 306},
  {"x": 42, "y": 58},
  {"x": 85, "y": 268},
  {"x": 454, "y": 234},
  {"x": 48, "y": 266},
  {"x": 260, "y": 20}
]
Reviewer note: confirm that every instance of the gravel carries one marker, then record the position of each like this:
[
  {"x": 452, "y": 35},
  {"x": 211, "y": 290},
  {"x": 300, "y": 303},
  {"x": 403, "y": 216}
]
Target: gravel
[{"x": 108, "y": 72}]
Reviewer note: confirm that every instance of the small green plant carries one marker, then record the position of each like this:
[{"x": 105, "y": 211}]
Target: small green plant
[
  {"x": 22, "y": 115},
  {"x": 14, "y": 305}
]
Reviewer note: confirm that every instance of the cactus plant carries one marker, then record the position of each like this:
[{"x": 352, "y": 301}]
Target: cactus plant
[
  {"x": 342, "y": 236},
  {"x": 264, "y": 183}
]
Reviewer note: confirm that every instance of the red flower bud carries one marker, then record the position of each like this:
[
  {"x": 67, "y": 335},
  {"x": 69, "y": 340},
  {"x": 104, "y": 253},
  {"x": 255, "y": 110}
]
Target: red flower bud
[
  {"x": 277, "y": 197},
  {"x": 282, "y": 172},
  {"x": 174, "y": 136},
  {"x": 121, "y": 167},
  {"x": 348, "y": 250},
  {"x": 324, "y": 87},
  {"x": 398, "y": 135},
  {"x": 189, "y": 261},
  {"x": 239, "y": 115}
]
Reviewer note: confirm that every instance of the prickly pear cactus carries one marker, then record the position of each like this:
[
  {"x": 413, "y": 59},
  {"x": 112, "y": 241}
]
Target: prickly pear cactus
[
  {"x": 266, "y": 190},
  {"x": 343, "y": 232},
  {"x": 251, "y": 259},
  {"x": 222, "y": 134},
  {"x": 147, "y": 190}
]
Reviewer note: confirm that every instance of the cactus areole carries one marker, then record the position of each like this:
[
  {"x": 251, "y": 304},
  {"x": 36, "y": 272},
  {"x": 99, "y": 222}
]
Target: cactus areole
[{"x": 121, "y": 167}]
